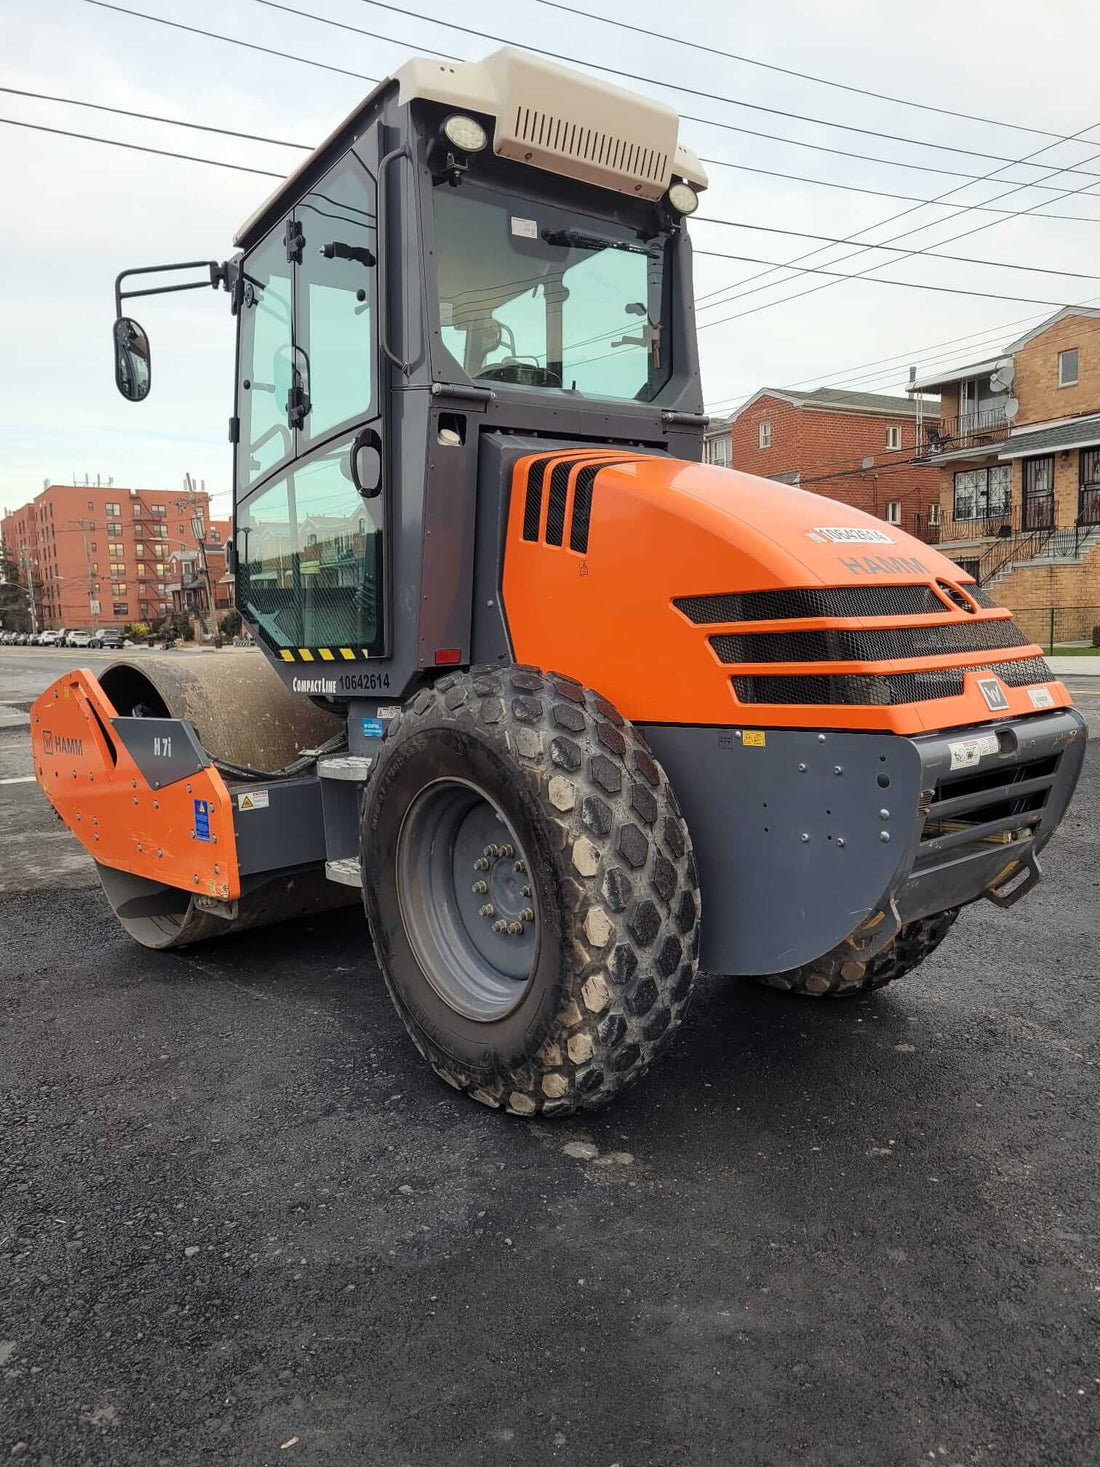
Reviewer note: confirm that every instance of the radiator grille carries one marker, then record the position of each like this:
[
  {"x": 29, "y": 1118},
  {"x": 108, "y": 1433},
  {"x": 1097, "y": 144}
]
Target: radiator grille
[
  {"x": 881, "y": 688},
  {"x": 555, "y": 507},
  {"x": 843, "y": 645},
  {"x": 787, "y": 605}
]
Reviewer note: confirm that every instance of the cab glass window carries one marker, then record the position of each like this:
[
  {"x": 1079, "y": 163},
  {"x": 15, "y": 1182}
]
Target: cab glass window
[
  {"x": 547, "y": 298},
  {"x": 266, "y": 360},
  {"x": 335, "y": 297},
  {"x": 310, "y": 559}
]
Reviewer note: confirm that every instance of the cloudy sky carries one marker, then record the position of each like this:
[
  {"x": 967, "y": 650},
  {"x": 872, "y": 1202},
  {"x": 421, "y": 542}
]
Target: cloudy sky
[{"x": 78, "y": 212}]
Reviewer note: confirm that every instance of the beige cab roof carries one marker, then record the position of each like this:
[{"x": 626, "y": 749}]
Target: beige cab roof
[
  {"x": 547, "y": 116},
  {"x": 564, "y": 121}
]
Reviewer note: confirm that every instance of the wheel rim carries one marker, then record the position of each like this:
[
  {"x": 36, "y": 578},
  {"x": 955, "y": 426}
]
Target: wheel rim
[{"x": 466, "y": 899}]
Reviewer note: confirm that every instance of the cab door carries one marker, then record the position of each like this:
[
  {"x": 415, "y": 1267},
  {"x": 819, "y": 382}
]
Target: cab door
[{"x": 311, "y": 547}]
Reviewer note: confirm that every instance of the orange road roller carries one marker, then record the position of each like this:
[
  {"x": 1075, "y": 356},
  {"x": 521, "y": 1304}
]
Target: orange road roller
[{"x": 572, "y": 713}]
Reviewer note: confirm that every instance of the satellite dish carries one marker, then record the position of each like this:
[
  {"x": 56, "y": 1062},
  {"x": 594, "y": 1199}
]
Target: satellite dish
[
  {"x": 1012, "y": 407},
  {"x": 868, "y": 462},
  {"x": 1001, "y": 378}
]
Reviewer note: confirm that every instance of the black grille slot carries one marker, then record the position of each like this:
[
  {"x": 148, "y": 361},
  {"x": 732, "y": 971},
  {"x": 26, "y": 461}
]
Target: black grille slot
[
  {"x": 881, "y": 689},
  {"x": 582, "y": 502},
  {"x": 841, "y": 645},
  {"x": 532, "y": 507},
  {"x": 917, "y": 600},
  {"x": 555, "y": 509}
]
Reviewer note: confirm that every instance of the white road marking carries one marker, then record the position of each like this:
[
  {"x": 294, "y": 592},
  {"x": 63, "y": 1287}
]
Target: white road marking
[{"x": 23, "y": 779}]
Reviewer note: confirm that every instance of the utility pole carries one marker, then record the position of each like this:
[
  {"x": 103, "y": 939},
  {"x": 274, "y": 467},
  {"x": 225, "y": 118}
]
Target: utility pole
[
  {"x": 195, "y": 503},
  {"x": 93, "y": 603},
  {"x": 26, "y": 558}
]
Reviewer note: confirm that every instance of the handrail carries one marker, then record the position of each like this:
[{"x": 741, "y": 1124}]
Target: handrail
[{"x": 403, "y": 151}]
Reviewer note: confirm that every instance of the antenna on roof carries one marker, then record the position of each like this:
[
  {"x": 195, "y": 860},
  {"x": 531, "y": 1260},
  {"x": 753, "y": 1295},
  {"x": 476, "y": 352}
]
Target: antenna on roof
[{"x": 912, "y": 375}]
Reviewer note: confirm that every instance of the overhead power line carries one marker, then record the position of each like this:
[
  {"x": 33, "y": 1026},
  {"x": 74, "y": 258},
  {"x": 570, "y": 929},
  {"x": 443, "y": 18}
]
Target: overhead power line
[
  {"x": 224, "y": 132},
  {"x": 879, "y": 193},
  {"x": 713, "y": 162},
  {"x": 139, "y": 148},
  {"x": 809, "y": 255},
  {"x": 746, "y": 131},
  {"x": 927, "y": 252},
  {"x": 635, "y": 76},
  {"x": 801, "y": 75},
  {"x": 740, "y": 294},
  {"x": 232, "y": 40}
]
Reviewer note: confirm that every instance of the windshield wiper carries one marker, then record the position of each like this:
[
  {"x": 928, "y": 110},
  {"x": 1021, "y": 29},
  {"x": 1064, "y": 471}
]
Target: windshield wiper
[{"x": 577, "y": 239}]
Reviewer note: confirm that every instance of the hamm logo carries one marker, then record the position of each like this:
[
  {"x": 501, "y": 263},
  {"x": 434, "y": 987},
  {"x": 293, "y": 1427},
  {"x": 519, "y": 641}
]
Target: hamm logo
[{"x": 61, "y": 745}]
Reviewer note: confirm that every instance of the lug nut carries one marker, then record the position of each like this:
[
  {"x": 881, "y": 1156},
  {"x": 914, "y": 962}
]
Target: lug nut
[
  {"x": 500, "y": 926},
  {"x": 521, "y": 867},
  {"x": 516, "y": 929},
  {"x": 507, "y": 852},
  {"x": 492, "y": 852},
  {"x": 488, "y": 910},
  {"x": 526, "y": 891},
  {"x": 479, "y": 888},
  {"x": 481, "y": 864},
  {"x": 527, "y": 915}
]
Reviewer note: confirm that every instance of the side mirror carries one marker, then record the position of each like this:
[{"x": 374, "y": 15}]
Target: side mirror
[
  {"x": 366, "y": 464},
  {"x": 132, "y": 363}
]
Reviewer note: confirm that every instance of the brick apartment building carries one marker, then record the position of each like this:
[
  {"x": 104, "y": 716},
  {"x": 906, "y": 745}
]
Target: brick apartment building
[
  {"x": 857, "y": 447},
  {"x": 103, "y": 556},
  {"x": 1016, "y": 446}
]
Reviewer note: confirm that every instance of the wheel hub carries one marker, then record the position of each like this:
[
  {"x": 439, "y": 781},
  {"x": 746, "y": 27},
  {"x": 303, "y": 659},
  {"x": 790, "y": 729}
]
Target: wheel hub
[{"x": 467, "y": 900}]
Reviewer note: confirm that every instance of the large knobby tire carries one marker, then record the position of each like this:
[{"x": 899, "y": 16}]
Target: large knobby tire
[
  {"x": 842, "y": 973},
  {"x": 611, "y": 935}
]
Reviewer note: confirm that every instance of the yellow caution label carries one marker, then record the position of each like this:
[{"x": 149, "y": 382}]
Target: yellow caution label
[
  {"x": 287, "y": 655},
  {"x": 347, "y": 654},
  {"x": 753, "y": 738},
  {"x": 305, "y": 654},
  {"x": 326, "y": 654}
]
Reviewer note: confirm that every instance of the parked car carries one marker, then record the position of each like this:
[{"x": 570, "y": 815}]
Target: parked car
[
  {"x": 54, "y": 637},
  {"x": 109, "y": 637},
  {"x": 79, "y": 638}
]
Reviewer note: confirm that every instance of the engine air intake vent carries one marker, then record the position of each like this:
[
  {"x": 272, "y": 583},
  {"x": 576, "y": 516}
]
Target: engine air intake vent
[
  {"x": 866, "y": 689},
  {"x": 787, "y": 605},
  {"x": 843, "y": 645}
]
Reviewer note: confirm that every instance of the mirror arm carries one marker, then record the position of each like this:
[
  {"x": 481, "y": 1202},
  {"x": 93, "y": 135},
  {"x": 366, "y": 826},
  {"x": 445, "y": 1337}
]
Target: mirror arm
[{"x": 217, "y": 274}]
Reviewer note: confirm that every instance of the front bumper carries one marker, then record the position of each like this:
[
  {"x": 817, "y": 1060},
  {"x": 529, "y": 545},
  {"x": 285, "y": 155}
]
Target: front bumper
[{"x": 805, "y": 839}]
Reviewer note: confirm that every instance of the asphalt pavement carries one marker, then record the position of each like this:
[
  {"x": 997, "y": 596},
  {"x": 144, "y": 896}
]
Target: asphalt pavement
[{"x": 241, "y": 1223}]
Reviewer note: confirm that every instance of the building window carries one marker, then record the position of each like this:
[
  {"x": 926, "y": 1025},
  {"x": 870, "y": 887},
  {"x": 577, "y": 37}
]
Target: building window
[
  {"x": 718, "y": 451},
  {"x": 121, "y": 608},
  {"x": 764, "y": 433},
  {"x": 893, "y": 512},
  {"x": 1067, "y": 368},
  {"x": 934, "y": 512},
  {"x": 137, "y": 511},
  {"x": 983, "y": 493},
  {"x": 158, "y": 511},
  {"x": 114, "y": 510},
  {"x": 893, "y": 436},
  {"x": 91, "y": 507}
]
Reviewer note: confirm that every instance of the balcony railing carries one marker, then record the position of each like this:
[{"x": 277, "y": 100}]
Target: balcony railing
[{"x": 968, "y": 431}]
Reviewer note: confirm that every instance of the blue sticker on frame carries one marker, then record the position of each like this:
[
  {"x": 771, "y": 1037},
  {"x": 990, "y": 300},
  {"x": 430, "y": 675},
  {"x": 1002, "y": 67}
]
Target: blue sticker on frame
[
  {"x": 373, "y": 728},
  {"x": 202, "y": 819}
]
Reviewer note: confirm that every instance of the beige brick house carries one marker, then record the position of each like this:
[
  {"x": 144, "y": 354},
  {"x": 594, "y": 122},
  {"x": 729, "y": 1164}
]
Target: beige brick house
[{"x": 1017, "y": 445}]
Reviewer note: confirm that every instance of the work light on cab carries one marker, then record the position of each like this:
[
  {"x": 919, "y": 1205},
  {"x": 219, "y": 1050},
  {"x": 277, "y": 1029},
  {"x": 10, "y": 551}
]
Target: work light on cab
[
  {"x": 465, "y": 133},
  {"x": 683, "y": 198}
]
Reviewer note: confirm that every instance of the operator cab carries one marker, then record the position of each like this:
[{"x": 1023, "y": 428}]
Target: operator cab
[{"x": 480, "y": 252}]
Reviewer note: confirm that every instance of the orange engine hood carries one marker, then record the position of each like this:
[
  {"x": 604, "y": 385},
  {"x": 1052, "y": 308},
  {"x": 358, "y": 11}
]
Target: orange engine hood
[{"x": 602, "y": 546}]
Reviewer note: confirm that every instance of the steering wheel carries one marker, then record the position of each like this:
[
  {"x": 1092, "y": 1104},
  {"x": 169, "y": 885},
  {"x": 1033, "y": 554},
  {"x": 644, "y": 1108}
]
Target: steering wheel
[{"x": 519, "y": 373}]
